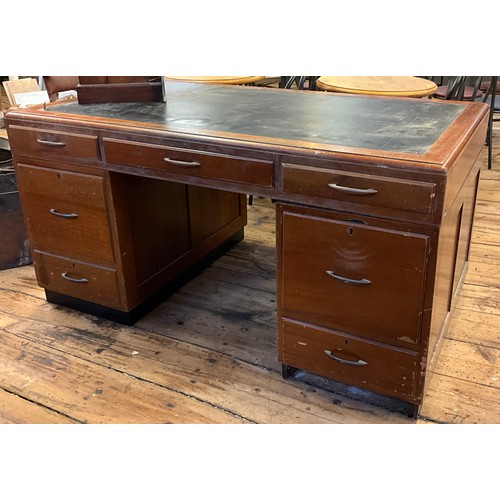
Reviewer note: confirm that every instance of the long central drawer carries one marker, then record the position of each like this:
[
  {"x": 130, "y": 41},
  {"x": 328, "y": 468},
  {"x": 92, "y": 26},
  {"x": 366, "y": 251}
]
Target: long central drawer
[{"x": 189, "y": 162}]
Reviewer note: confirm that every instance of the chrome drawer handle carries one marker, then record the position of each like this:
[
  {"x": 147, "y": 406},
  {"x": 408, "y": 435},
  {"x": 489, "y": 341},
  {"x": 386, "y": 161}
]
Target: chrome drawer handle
[
  {"x": 50, "y": 143},
  {"x": 348, "y": 281},
  {"x": 350, "y": 190},
  {"x": 53, "y": 211},
  {"x": 73, "y": 280},
  {"x": 180, "y": 163},
  {"x": 359, "y": 362}
]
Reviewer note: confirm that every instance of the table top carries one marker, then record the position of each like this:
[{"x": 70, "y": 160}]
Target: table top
[
  {"x": 4, "y": 141},
  {"x": 318, "y": 123},
  {"x": 402, "y": 86},
  {"x": 227, "y": 80}
]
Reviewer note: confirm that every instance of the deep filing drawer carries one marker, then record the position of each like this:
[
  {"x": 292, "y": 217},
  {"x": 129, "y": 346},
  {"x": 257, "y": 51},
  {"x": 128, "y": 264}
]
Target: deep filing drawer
[
  {"x": 353, "y": 361},
  {"x": 51, "y": 144},
  {"x": 351, "y": 277},
  {"x": 65, "y": 212},
  {"x": 189, "y": 162},
  {"x": 77, "y": 279},
  {"x": 386, "y": 192}
]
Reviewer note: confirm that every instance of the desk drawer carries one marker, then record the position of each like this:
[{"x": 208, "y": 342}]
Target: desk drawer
[
  {"x": 51, "y": 144},
  {"x": 77, "y": 279},
  {"x": 189, "y": 162},
  {"x": 386, "y": 192},
  {"x": 356, "y": 278},
  {"x": 353, "y": 361},
  {"x": 65, "y": 212}
]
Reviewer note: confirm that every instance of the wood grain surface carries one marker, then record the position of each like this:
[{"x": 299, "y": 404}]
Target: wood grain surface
[{"x": 208, "y": 353}]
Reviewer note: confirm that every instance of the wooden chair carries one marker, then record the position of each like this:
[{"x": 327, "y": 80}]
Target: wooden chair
[
  {"x": 302, "y": 82},
  {"x": 457, "y": 89},
  {"x": 490, "y": 98},
  {"x": 485, "y": 86},
  {"x": 56, "y": 84}
]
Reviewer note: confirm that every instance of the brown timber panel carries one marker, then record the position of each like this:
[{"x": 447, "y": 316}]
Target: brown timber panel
[
  {"x": 210, "y": 210},
  {"x": 363, "y": 364},
  {"x": 189, "y": 162},
  {"x": 387, "y": 267},
  {"x": 85, "y": 233},
  {"x": 84, "y": 281},
  {"x": 414, "y": 196},
  {"x": 157, "y": 222},
  {"x": 53, "y": 144}
]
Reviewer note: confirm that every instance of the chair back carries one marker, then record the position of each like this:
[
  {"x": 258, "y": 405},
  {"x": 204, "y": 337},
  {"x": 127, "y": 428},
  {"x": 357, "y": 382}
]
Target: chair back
[
  {"x": 458, "y": 90},
  {"x": 56, "y": 84}
]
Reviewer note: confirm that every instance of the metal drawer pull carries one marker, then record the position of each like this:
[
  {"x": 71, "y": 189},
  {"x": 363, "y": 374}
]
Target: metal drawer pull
[
  {"x": 350, "y": 190},
  {"x": 50, "y": 143},
  {"x": 53, "y": 211},
  {"x": 73, "y": 280},
  {"x": 349, "y": 281},
  {"x": 359, "y": 362},
  {"x": 180, "y": 163}
]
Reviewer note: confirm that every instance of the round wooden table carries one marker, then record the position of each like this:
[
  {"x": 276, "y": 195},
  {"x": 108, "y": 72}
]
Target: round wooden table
[
  {"x": 398, "y": 86},
  {"x": 228, "y": 80}
]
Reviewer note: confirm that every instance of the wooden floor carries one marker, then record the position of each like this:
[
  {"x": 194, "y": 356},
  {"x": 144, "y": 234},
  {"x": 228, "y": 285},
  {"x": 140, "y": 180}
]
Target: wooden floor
[{"x": 208, "y": 354}]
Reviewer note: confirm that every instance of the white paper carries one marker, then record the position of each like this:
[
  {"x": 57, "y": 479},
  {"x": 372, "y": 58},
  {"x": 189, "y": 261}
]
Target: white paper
[{"x": 24, "y": 99}]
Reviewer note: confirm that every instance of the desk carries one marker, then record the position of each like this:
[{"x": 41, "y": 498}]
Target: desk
[
  {"x": 396, "y": 86},
  {"x": 375, "y": 201}
]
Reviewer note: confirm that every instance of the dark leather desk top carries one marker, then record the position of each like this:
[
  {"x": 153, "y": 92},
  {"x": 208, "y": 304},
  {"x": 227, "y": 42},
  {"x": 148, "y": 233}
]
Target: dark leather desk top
[{"x": 305, "y": 118}]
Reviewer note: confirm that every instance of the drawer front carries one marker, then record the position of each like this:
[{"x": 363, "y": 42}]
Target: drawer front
[
  {"x": 77, "y": 279},
  {"x": 364, "y": 280},
  {"x": 413, "y": 196},
  {"x": 65, "y": 212},
  {"x": 353, "y": 361},
  {"x": 51, "y": 144},
  {"x": 190, "y": 163}
]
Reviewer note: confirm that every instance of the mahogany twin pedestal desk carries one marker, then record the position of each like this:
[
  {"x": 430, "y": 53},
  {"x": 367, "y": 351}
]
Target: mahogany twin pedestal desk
[{"x": 374, "y": 206}]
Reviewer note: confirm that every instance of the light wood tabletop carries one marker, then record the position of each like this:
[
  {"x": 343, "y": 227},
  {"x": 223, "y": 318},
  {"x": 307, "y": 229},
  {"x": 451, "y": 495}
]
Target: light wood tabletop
[
  {"x": 400, "y": 86},
  {"x": 4, "y": 140},
  {"x": 228, "y": 80}
]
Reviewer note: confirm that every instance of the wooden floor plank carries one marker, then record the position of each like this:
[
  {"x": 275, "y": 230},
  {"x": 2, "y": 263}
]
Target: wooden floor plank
[
  {"x": 484, "y": 299},
  {"x": 255, "y": 394},
  {"x": 16, "y": 410},
  {"x": 485, "y": 206},
  {"x": 21, "y": 279},
  {"x": 470, "y": 361},
  {"x": 235, "y": 335},
  {"x": 486, "y": 229},
  {"x": 91, "y": 393},
  {"x": 457, "y": 401},
  {"x": 233, "y": 301},
  {"x": 475, "y": 327},
  {"x": 484, "y": 273},
  {"x": 484, "y": 253}
]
